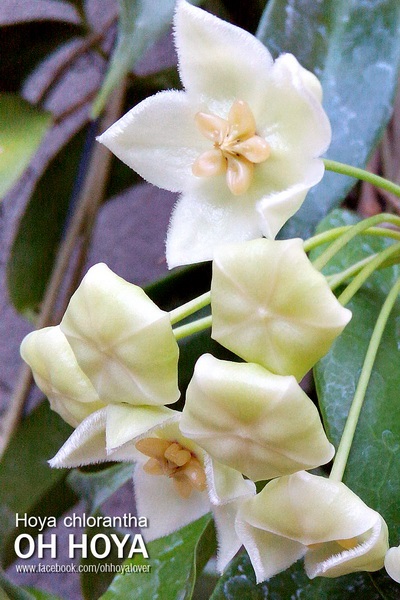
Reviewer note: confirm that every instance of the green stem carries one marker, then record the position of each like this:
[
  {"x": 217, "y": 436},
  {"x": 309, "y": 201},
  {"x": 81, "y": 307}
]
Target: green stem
[
  {"x": 193, "y": 327},
  {"x": 376, "y": 180},
  {"x": 342, "y": 454},
  {"x": 333, "y": 234},
  {"x": 181, "y": 312},
  {"x": 345, "y": 238},
  {"x": 366, "y": 272},
  {"x": 338, "y": 278}
]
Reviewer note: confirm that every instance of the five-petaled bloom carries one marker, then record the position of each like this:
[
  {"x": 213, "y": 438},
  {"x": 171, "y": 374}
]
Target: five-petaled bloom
[
  {"x": 272, "y": 307},
  {"x": 243, "y": 416},
  {"x": 241, "y": 142},
  {"x": 303, "y": 515},
  {"x": 113, "y": 345}
]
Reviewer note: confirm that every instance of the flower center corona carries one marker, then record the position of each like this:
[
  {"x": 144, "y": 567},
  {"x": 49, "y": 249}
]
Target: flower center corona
[
  {"x": 236, "y": 149},
  {"x": 175, "y": 461}
]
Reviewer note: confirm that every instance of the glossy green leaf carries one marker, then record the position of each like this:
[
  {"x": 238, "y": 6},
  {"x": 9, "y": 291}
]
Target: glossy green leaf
[
  {"x": 41, "y": 227},
  {"x": 22, "y": 129},
  {"x": 354, "y": 49},
  {"x": 97, "y": 487},
  {"x": 94, "y": 579},
  {"x": 373, "y": 469},
  {"x": 41, "y": 594},
  {"x": 141, "y": 23},
  {"x": 173, "y": 563},
  {"x": 238, "y": 583},
  {"x": 27, "y": 484}
]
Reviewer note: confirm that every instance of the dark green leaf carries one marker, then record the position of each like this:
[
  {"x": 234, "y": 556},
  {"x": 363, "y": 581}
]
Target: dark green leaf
[
  {"x": 238, "y": 583},
  {"x": 24, "y": 46},
  {"x": 27, "y": 484},
  {"x": 23, "y": 127},
  {"x": 141, "y": 23},
  {"x": 94, "y": 583},
  {"x": 373, "y": 469},
  {"x": 173, "y": 563},
  {"x": 41, "y": 594},
  {"x": 40, "y": 229},
  {"x": 97, "y": 487},
  {"x": 354, "y": 49}
]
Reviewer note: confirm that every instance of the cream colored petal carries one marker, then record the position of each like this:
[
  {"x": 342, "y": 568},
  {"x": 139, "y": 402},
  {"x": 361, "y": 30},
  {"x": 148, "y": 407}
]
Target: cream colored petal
[
  {"x": 316, "y": 512},
  {"x": 392, "y": 563},
  {"x": 217, "y": 59},
  {"x": 158, "y": 138},
  {"x": 294, "y": 119},
  {"x": 209, "y": 164},
  {"x": 166, "y": 511},
  {"x": 281, "y": 203},
  {"x": 58, "y": 375},
  {"x": 242, "y": 415},
  {"x": 225, "y": 484},
  {"x": 125, "y": 423},
  {"x": 269, "y": 553},
  {"x": 271, "y": 307},
  {"x": 239, "y": 174},
  {"x": 228, "y": 540},
  {"x": 331, "y": 560},
  {"x": 122, "y": 341},
  {"x": 202, "y": 221},
  {"x": 86, "y": 445}
]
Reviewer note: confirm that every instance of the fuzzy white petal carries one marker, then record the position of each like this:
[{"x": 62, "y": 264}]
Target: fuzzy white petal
[
  {"x": 275, "y": 208},
  {"x": 166, "y": 511},
  {"x": 225, "y": 484},
  {"x": 199, "y": 219},
  {"x": 158, "y": 139},
  {"x": 228, "y": 540},
  {"x": 269, "y": 553},
  {"x": 86, "y": 445},
  {"x": 216, "y": 59}
]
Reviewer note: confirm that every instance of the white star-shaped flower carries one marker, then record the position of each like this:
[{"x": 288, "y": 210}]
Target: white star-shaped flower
[{"x": 240, "y": 143}]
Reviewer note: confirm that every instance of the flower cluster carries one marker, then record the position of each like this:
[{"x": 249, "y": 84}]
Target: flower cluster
[{"x": 244, "y": 155}]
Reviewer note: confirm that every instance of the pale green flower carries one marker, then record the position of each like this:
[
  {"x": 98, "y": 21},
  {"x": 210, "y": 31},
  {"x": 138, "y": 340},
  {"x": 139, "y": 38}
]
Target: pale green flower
[
  {"x": 303, "y": 515},
  {"x": 113, "y": 345},
  {"x": 240, "y": 143},
  {"x": 272, "y": 307},
  {"x": 258, "y": 423}
]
